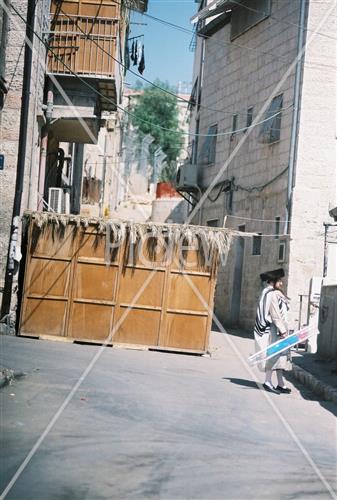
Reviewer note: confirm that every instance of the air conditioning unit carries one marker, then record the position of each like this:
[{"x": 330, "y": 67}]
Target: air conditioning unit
[
  {"x": 187, "y": 177},
  {"x": 58, "y": 200}
]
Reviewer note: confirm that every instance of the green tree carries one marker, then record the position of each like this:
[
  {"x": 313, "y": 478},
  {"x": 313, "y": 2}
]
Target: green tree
[{"x": 156, "y": 109}]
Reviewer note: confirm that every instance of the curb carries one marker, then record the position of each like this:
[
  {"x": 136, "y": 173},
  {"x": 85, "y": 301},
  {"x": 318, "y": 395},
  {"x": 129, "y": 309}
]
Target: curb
[{"x": 325, "y": 391}]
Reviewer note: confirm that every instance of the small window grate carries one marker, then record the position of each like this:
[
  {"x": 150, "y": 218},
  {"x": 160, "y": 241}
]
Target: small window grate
[
  {"x": 282, "y": 251},
  {"x": 277, "y": 228},
  {"x": 270, "y": 131},
  {"x": 257, "y": 244}
]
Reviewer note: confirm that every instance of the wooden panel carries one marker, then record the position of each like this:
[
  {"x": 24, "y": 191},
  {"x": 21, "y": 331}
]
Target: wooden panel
[
  {"x": 90, "y": 321},
  {"x": 94, "y": 8},
  {"x": 188, "y": 259},
  {"x": 50, "y": 244},
  {"x": 138, "y": 326},
  {"x": 184, "y": 331},
  {"x": 132, "y": 281},
  {"x": 48, "y": 277},
  {"x": 92, "y": 246},
  {"x": 44, "y": 316},
  {"x": 167, "y": 313},
  {"x": 95, "y": 282},
  {"x": 183, "y": 295},
  {"x": 150, "y": 254},
  {"x": 99, "y": 8}
]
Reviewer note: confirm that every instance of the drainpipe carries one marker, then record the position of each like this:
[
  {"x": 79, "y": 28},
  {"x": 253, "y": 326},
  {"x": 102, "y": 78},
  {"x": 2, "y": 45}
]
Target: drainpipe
[
  {"x": 20, "y": 168},
  {"x": 101, "y": 201},
  {"x": 44, "y": 147},
  {"x": 294, "y": 131}
]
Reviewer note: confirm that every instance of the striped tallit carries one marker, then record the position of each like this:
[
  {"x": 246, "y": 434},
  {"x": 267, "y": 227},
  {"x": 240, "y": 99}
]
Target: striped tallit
[{"x": 263, "y": 319}]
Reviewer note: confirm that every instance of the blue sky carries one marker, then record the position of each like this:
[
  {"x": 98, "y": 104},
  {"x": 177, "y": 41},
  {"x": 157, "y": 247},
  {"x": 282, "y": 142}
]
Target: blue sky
[{"x": 167, "y": 54}]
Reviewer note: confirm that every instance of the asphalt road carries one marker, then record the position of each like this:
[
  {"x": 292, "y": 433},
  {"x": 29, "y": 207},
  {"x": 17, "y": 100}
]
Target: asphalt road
[{"x": 149, "y": 425}]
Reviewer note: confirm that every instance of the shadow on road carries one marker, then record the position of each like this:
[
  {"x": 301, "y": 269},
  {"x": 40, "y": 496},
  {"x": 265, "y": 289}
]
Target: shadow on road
[{"x": 242, "y": 381}]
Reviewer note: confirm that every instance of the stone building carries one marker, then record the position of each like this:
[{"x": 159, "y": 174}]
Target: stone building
[
  {"x": 265, "y": 93},
  {"x": 12, "y": 31}
]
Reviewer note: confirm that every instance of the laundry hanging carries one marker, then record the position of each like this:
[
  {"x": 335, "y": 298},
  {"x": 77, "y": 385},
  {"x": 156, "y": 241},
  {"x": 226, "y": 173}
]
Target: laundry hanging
[
  {"x": 133, "y": 52},
  {"x": 141, "y": 66}
]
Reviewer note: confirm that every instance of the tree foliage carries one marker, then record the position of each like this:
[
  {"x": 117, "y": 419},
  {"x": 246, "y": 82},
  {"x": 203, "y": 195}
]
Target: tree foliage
[{"x": 155, "y": 107}]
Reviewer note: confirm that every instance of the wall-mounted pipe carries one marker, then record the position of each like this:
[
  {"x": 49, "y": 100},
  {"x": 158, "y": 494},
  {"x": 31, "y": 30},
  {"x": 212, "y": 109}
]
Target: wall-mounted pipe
[{"x": 294, "y": 129}]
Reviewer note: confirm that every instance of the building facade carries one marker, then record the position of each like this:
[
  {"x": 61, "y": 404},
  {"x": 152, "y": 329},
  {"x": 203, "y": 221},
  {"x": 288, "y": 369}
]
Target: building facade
[
  {"x": 12, "y": 54},
  {"x": 78, "y": 64},
  {"x": 265, "y": 94}
]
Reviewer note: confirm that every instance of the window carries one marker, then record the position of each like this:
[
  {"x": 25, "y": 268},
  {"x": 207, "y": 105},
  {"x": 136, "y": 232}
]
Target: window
[
  {"x": 271, "y": 128},
  {"x": 248, "y": 15},
  {"x": 195, "y": 143},
  {"x": 282, "y": 251},
  {"x": 249, "y": 117},
  {"x": 242, "y": 228},
  {"x": 277, "y": 228},
  {"x": 234, "y": 124},
  {"x": 213, "y": 223},
  {"x": 208, "y": 150},
  {"x": 257, "y": 244}
]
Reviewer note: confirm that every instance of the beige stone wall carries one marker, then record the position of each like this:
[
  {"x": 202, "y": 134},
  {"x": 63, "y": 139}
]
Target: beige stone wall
[
  {"x": 235, "y": 79},
  {"x": 316, "y": 166}
]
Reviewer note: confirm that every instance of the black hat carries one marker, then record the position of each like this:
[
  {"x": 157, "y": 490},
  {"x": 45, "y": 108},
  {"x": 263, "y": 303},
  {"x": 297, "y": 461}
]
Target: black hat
[{"x": 272, "y": 275}]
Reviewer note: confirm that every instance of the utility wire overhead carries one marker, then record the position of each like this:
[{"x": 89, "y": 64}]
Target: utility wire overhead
[
  {"x": 234, "y": 44},
  {"x": 153, "y": 84},
  {"x": 219, "y": 134}
]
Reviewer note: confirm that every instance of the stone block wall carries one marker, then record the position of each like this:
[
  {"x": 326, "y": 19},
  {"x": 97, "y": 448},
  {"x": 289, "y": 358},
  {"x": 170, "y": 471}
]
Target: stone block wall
[
  {"x": 10, "y": 117},
  {"x": 246, "y": 72},
  {"x": 235, "y": 79},
  {"x": 315, "y": 179}
]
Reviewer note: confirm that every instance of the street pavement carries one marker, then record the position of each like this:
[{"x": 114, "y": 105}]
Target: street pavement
[{"x": 152, "y": 425}]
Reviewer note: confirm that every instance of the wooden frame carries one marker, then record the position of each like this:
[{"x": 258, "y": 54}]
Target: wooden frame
[{"x": 70, "y": 292}]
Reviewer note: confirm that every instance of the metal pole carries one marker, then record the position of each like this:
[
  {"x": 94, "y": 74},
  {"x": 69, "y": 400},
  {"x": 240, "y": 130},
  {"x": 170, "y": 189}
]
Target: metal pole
[
  {"x": 325, "y": 260},
  {"x": 294, "y": 127},
  {"x": 101, "y": 201},
  {"x": 20, "y": 168}
]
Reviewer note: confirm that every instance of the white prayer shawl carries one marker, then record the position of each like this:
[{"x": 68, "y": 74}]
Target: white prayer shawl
[
  {"x": 268, "y": 325},
  {"x": 263, "y": 318}
]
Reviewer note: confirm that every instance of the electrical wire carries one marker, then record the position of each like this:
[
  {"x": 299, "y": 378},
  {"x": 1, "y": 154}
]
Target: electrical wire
[
  {"x": 153, "y": 84},
  {"x": 236, "y": 187},
  {"x": 221, "y": 44},
  {"x": 220, "y": 134},
  {"x": 256, "y": 220},
  {"x": 261, "y": 188}
]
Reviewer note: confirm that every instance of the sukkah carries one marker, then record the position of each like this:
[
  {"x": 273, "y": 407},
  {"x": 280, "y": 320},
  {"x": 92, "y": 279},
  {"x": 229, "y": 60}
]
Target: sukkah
[
  {"x": 209, "y": 242},
  {"x": 125, "y": 283}
]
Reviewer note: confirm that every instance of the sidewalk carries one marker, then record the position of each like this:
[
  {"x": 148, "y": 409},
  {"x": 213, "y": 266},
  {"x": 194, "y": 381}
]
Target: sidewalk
[{"x": 319, "y": 376}]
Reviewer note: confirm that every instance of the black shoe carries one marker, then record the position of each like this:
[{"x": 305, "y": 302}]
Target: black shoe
[
  {"x": 284, "y": 390},
  {"x": 270, "y": 389}
]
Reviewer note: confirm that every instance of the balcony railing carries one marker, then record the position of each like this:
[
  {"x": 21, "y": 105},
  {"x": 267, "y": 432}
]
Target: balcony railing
[{"x": 83, "y": 45}]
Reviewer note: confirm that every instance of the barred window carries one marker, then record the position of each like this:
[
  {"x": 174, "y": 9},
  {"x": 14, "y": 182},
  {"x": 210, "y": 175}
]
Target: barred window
[
  {"x": 257, "y": 244},
  {"x": 208, "y": 150},
  {"x": 249, "y": 117},
  {"x": 270, "y": 131},
  {"x": 248, "y": 13},
  {"x": 277, "y": 228}
]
